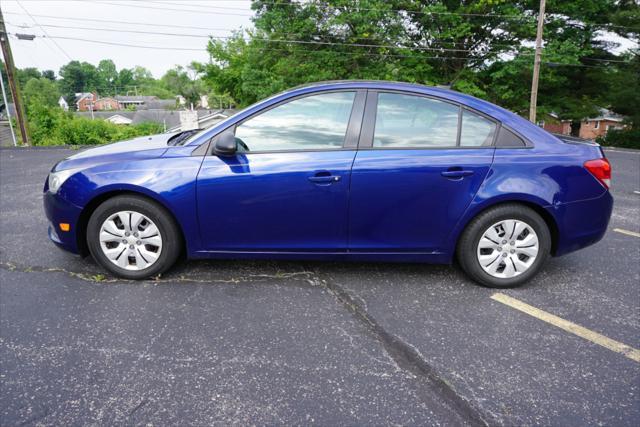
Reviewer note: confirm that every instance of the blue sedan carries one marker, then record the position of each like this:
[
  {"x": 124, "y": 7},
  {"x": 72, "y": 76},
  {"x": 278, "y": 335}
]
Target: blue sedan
[{"x": 351, "y": 170}]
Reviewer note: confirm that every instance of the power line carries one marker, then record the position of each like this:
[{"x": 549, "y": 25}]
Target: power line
[
  {"x": 43, "y": 30},
  {"x": 173, "y": 9},
  {"x": 321, "y": 52},
  {"x": 285, "y": 41},
  {"x": 106, "y": 21},
  {"x": 303, "y": 42},
  {"x": 209, "y": 10},
  {"x": 356, "y": 7}
]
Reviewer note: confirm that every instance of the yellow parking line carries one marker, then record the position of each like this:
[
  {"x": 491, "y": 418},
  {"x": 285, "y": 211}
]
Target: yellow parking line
[
  {"x": 627, "y": 232},
  {"x": 582, "y": 332}
]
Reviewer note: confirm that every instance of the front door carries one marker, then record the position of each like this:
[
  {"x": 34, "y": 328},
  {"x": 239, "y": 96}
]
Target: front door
[
  {"x": 420, "y": 163},
  {"x": 286, "y": 190}
]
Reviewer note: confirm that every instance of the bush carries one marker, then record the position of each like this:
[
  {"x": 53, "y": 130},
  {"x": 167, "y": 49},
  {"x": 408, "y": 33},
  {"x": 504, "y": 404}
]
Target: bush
[
  {"x": 624, "y": 138},
  {"x": 53, "y": 126}
]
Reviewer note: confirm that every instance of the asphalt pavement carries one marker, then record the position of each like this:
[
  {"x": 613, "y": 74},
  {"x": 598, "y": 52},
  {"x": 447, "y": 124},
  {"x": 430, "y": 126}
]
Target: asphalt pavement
[{"x": 264, "y": 343}]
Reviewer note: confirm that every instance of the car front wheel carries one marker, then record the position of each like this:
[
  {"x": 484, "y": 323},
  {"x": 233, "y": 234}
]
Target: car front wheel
[
  {"x": 133, "y": 237},
  {"x": 504, "y": 246}
]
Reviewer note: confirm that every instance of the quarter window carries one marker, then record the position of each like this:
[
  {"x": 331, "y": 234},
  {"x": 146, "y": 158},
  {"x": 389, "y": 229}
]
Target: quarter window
[
  {"x": 310, "y": 123},
  {"x": 407, "y": 121},
  {"x": 476, "y": 130}
]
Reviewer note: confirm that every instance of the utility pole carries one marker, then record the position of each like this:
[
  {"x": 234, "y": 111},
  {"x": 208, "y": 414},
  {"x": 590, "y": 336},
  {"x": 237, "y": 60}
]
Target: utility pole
[
  {"x": 536, "y": 65},
  {"x": 13, "y": 84}
]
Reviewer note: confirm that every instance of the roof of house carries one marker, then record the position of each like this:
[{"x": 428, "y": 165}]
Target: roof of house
[
  {"x": 170, "y": 118},
  {"x": 82, "y": 95},
  {"x": 207, "y": 118},
  {"x": 160, "y": 104},
  {"x": 140, "y": 98},
  {"x": 607, "y": 115},
  {"x": 118, "y": 118}
]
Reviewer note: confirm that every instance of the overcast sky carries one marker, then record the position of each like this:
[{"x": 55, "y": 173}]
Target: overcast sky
[
  {"x": 217, "y": 18},
  {"x": 187, "y": 17}
]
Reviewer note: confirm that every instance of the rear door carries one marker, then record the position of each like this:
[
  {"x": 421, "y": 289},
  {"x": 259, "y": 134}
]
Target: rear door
[{"x": 420, "y": 162}]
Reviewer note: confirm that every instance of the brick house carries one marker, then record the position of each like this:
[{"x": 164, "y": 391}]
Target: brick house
[
  {"x": 590, "y": 128},
  {"x": 106, "y": 104},
  {"x": 553, "y": 124},
  {"x": 593, "y": 128},
  {"x": 85, "y": 100}
]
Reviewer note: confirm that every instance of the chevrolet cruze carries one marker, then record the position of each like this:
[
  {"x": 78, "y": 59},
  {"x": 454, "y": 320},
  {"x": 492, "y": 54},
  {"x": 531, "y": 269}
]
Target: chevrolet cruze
[{"x": 363, "y": 171}]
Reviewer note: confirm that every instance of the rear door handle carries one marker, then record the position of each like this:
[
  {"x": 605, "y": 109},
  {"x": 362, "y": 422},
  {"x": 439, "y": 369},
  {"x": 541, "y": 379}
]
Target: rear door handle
[{"x": 457, "y": 173}]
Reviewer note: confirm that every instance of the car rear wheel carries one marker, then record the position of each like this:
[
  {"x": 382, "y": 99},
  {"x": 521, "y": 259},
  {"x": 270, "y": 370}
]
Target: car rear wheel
[
  {"x": 133, "y": 237},
  {"x": 504, "y": 246}
]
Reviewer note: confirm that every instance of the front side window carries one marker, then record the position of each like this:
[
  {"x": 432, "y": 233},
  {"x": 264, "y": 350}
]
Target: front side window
[
  {"x": 310, "y": 123},
  {"x": 408, "y": 121}
]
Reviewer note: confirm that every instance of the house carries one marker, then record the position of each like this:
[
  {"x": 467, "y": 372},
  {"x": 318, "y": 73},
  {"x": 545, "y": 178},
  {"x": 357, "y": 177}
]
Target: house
[
  {"x": 107, "y": 104},
  {"x": 119, "y": 119},
  {"x": 596, "y": 127},
  {"x": 63, "y": 104},
  {"x": 553, "y": 124},
  {"x": 170, "y": 119},
  {"x": 85, "y": 100},
  {"x": 205, "y": 119},
  {"x": 590, "y": 128},
  {"x": 134, "y": 101}
]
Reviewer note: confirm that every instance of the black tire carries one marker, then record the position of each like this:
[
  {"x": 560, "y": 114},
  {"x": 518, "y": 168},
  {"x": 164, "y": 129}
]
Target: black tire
[
  {"x": 171, "y": 237},
  {"x": 470, "y": 238}
]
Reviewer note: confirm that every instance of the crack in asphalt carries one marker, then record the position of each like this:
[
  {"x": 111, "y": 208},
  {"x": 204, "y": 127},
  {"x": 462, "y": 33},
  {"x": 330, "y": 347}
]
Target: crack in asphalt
[
  {"x": 406, "y": 356},
  {"x": 99, "y": 278}
]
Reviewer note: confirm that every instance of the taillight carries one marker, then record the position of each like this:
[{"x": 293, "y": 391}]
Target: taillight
[{"x": 601, "y": 169}]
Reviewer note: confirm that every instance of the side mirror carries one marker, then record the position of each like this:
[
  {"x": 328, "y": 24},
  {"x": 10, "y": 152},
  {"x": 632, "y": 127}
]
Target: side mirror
[{"x": 226, "y": 144}]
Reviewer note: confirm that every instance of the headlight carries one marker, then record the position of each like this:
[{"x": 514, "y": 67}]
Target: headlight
[{"x": 56, "y": 179}]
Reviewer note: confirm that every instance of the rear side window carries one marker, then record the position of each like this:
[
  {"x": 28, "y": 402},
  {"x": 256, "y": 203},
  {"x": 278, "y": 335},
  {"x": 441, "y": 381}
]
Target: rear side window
[
  {"x": 407, "y": 121},
  {"x": 506, "y": 138},
  {"x": 476, "y": 130}
]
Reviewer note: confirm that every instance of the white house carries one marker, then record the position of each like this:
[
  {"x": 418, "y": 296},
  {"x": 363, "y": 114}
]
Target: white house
[
  {"x": 63, "y": 104},
  {"x": 119, "y": 120}
]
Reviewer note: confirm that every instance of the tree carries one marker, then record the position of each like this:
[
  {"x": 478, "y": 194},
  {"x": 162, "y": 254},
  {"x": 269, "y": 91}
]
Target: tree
[
  {"x": 25, "y": 74},
  {"x": 481, "y": 48},
  {"x": 77, "y": 77},
  {"x": 49, "y": 74},
  {"x": 185, "y": 82},
  {"x": 41, "y": 91},
  {"x": 107, "y": 77}
]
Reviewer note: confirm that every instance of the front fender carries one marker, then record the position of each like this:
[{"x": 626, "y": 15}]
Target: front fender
[{"x": 169, "y": 181}]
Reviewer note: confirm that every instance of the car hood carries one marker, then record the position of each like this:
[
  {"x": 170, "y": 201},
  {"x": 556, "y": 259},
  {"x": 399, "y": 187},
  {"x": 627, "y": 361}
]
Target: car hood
[{"x": 144, "y": 147}]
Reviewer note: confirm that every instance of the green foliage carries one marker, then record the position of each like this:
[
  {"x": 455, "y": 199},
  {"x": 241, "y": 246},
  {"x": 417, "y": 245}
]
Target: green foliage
[
  {"x": 625, "y": 138},
  {"x": 482, "y": 48},
  {"x": 185, "y": 82},
  {"x": 106, "y": 80},
  {"x": 53, "y": 126},
  {"x": 26, "y": 74},
  {"x": 41, "y": 91}
]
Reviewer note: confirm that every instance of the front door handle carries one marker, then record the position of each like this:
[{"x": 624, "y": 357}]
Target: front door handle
[
  {"x": 324, "y": 179},
  {"x": 456, "y": 173}
]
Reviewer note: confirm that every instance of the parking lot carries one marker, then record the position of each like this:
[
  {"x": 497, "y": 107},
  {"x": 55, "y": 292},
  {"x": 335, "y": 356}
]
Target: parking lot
[{"x": 239, "y": 342}]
